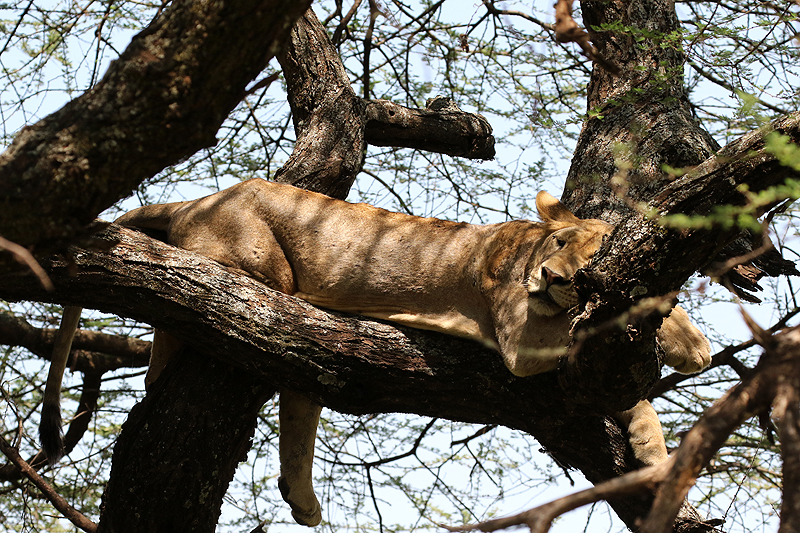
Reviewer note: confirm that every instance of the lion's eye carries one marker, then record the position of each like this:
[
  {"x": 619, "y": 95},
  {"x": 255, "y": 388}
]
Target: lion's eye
[{"x": 561, "y": 242}]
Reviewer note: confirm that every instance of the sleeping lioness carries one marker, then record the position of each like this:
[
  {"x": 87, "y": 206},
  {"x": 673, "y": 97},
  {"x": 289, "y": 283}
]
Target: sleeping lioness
[{"x": 505, "y": 285}]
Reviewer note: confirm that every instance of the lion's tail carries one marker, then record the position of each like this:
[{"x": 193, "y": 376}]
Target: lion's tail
[
  {"x": 157, "y": 216},
  {"x": 50, "y": 424}
]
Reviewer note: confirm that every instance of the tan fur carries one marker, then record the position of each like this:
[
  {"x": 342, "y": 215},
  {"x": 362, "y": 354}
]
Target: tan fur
[{"x": 506, "y": 285}]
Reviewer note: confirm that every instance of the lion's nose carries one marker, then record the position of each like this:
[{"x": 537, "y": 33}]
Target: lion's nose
[{"x": 550, "y": 276}]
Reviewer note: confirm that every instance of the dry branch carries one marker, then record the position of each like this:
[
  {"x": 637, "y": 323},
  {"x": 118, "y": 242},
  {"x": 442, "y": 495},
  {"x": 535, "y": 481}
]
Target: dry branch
[
  {"x": 777, "y": 372},
  {"x": 63, "y": 507},
  {"x": 539, "y": 519},
  {"x": 774, "y": 382}
]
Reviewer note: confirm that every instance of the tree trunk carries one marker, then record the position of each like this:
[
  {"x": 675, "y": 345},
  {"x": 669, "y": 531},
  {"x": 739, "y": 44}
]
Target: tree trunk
[{"x": 179, "y": 484}]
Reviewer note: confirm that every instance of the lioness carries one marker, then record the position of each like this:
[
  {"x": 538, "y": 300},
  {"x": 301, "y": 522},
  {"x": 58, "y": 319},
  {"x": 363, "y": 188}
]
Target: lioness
[{"x": 506, "y": 285}]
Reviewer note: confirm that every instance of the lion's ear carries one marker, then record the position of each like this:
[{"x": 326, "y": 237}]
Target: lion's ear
[{"x": 551, "y": 209}]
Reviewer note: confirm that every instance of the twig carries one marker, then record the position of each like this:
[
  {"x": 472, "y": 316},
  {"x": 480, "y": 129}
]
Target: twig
[
  {"x": 263, "y": 84},
  {"x": 63, "y": 507}
]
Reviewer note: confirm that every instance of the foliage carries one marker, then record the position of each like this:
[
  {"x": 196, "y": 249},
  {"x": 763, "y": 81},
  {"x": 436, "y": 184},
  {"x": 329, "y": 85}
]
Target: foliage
[{"x": 393, "y": 472}]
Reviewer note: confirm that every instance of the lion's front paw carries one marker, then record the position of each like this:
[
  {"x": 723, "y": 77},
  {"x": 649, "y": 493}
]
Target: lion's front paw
[{"x": 686, "y": 349}]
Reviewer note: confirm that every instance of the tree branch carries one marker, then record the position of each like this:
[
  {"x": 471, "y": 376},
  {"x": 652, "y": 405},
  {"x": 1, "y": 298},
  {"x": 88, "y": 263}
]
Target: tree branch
[
  {"x": 94, "y": 351},
  {"x": 539, "y": 519},
  {"x": 442, "y": 128},
  {"x": 162, "y": 100},
  {"x": 333, "y": 124},
  {"x": 778, "y": 369},
  {"x": 648, "y": 260},
  {"x": 350, "y": 364},
  {"x": 774, "y": 381},
  {"x": 63, "y": 507}
]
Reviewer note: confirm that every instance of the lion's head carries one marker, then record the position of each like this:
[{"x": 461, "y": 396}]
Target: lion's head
[{"x": 569, "y": 247}]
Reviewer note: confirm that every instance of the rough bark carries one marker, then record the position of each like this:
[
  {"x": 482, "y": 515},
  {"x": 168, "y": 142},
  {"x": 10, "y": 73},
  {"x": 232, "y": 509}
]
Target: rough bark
[
  {"x": 328, "y": 116},
  {"x": 162, "y": 100},
  {"x": 644, "y": 108},
  {"x": 441, "y": 127}
]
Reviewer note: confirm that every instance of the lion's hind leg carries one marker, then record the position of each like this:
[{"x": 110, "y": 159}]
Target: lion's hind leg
[
  {"x": 299, "y": 417},
  {"x": 164, "y": 348}
]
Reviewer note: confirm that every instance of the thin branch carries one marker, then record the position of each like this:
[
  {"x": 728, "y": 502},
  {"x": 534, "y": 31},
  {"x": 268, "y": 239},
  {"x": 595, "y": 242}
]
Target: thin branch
[
  {"x": 725, "y": 85},
  {"x": 776, "y": 375},
  {"x": 117, "y": 351},
  {"x": 756, "y": 393},
  {"x": 63, "y": 507},
  {"x": 540, "y": 518}
]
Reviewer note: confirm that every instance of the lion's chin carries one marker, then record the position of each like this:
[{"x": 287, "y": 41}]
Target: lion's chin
[{"x": 542, "y": 304}]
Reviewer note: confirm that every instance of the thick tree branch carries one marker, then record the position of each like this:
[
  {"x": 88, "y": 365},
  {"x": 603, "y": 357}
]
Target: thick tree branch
[
  {"x": 94, "y": 351},
  {"x": 350, "y": 364},
  {"x": 162, "y": 100},
  {"x": 646, "y": 111},
  {"x": 180, "y": 447},
  {"x": 786, "y": 411},
  {"x": 333, "y": 124},
  {"x": 442, "y": 128}
]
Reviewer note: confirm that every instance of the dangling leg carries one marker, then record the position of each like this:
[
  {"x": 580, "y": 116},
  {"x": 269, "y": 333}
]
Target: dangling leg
[
  {"x": 298, "y": 424},
  {"x": 163, "y": 348}
]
